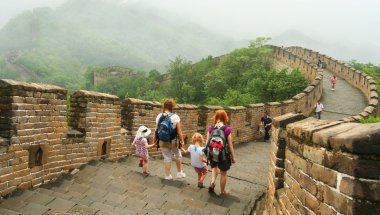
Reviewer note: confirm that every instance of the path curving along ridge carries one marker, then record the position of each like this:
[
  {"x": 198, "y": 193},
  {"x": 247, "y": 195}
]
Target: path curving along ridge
[{"x": 356, "y": 94}]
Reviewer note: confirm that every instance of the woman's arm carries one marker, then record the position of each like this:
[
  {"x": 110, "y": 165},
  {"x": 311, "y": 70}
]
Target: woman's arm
[
  {"x": 184, "y": 151},
  {"x": 231, "y": 148},
  {"x": 180, "y": 134}
]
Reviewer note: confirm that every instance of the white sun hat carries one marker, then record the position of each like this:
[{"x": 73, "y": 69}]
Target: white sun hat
[{"x": 143, "y": 131}]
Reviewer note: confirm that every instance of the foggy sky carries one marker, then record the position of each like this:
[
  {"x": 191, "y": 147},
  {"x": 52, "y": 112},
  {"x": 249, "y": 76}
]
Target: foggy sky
[{"x": 351, "y": 24}]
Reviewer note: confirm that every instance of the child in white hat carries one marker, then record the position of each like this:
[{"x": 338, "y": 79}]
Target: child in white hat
[{"x": 142, "y": 146}]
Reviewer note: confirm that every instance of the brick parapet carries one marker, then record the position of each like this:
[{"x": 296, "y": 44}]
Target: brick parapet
[{"x": 329, "y": 168}]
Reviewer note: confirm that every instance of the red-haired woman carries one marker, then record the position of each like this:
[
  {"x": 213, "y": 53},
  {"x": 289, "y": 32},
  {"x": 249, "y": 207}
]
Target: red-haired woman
[
  {"x": 220, "y": 122},
  {"x": 169, "y": 146}
]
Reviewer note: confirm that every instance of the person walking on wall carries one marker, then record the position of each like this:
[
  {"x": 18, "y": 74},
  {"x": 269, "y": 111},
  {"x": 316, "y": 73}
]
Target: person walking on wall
[
  {"x": 320, "y": 65},
  {"x": 219, "y": 150},
  {"x": 168, "y": 132},
  {"x": 333, "y": 82},
  {"x": 141, "y": 144},
  {"x": 266, "y": 122},
  {"x": 318, "y": 109}
]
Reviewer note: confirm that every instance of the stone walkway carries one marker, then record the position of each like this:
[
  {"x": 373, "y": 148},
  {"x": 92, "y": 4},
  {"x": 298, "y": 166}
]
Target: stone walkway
[
  {"x": 119, "y": 188},
  {"x": 342, "y": 102}
]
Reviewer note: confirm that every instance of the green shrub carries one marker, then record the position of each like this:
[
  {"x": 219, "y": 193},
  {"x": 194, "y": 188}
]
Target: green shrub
[{"x": 370, "y": 119}]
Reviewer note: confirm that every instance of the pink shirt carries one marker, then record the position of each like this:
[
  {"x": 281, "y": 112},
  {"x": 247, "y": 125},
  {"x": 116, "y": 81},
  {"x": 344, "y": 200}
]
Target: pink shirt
[
  {"x": 227, "y": 130},
  {"x": 141, "y": 149},
  {"x": 333, "y": 80}
]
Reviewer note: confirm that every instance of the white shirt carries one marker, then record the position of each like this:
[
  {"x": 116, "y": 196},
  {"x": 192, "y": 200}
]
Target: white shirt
[
  {"x": 195, "y": 154},
  {"x": 174, "y": 119},
  {"x": 319, "y": 107}
]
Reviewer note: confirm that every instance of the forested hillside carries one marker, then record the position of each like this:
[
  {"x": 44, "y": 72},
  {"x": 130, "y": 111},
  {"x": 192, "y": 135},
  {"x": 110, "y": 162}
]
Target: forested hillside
[
  {"x": 56, "y": 46},
  {"x": 243, "y": 76}
]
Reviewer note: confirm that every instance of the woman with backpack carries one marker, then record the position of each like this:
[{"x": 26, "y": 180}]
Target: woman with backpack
[
  {"x": 168, "y": 131},
  {"x": 219, "y": 150}
]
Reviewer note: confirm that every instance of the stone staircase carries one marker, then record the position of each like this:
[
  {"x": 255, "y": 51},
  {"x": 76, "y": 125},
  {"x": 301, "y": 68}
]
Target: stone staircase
[{"x": 102, "y": 187}]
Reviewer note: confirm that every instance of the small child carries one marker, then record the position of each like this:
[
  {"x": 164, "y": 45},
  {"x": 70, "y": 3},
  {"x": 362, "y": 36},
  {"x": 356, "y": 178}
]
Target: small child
[
  {"x": 198, "y": 160},
  {"x": 141, "y": 144}
]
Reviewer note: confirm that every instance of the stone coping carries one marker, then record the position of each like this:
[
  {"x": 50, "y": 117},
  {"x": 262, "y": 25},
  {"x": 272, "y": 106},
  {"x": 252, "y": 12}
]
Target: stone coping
[
  {"x": 20, "y": 85},
  {"x": 92, "y": 94}
]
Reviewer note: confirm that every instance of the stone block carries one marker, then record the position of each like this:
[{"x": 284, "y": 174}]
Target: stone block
[
  {"x": 304, "y": 129},
  {"x": 361, "y": 189},
  {"x": 338, "y": 201},
  {"x": 364, "y": 139},
  {"x": 283, "y": 120}
]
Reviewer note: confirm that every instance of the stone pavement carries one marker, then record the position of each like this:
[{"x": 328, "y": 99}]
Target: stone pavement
[
  {"x": 120, "y": 188},
  {"x": 342, "y": 102}
]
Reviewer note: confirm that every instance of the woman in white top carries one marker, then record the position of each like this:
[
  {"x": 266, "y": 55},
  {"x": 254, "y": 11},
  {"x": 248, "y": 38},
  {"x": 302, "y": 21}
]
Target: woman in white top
[{"x": 171, "y": 147}]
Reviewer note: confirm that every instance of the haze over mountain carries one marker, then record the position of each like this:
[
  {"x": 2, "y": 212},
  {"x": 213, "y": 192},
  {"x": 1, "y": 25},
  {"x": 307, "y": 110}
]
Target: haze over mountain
[
  {"x": 57, "y": 44},
  {"x": 80, "y": 33}
]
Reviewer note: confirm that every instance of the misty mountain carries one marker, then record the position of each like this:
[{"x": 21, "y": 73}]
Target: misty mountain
[
  {"x": 363, "y": 52},
  {"x": 80, "y": 33}
]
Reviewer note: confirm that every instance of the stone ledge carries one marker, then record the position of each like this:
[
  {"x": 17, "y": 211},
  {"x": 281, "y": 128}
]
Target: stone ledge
[
  {"x": 283, "y": 120},
  {"x": 94, "y": 95},
  {"x": 19, "y": 85}
]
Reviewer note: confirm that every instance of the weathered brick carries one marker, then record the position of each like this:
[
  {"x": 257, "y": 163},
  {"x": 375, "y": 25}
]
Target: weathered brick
[
  {"x": 339, "y": 202},
  {"x": 366, "y": 190},
  {"x": 357, "y": 141}
]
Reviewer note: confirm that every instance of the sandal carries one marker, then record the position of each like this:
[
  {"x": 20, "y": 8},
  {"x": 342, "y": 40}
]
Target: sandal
[
  {"x": 225, "y": 193},
  {"x": 211, "y": 188}
]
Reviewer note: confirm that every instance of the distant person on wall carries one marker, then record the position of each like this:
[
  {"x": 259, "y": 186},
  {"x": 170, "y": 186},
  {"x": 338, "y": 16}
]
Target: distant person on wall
[
  {"x": 141, "y": 144},
  {"x": 266, "y": 122},
  {"x": 318, "y": 109},
  {"x": 168, "y": 131},
  {"x": 319, "y": 63},
  {"x": 219, "y": 150},
  {"x": 333, "y": 82}
]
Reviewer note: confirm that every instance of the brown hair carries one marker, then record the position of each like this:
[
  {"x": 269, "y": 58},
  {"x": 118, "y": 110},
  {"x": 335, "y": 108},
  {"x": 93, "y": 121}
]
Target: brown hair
[
  {"x": 169, "y": 105},
  {"x": 197, "y": 137},
  {"x": 220, "y": 115}
]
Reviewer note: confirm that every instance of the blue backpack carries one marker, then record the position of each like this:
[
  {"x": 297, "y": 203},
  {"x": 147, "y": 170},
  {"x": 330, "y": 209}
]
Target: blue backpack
[{"x": 165, "y": 130}]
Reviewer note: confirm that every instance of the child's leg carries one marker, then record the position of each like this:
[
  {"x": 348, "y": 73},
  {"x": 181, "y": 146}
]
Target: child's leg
[
  {"x": 199, "y": 176},
  {"x": 203, "y": 176},
  {"x": 145, "y": 166},
  {"x": 141, "y": 162}
]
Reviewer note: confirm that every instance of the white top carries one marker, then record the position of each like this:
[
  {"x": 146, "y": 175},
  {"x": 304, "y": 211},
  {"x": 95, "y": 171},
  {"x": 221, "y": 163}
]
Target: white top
[
  {"x": 319, "y": 107},
  {"x": 195, "y": 153},
  {"x": 174, "y": 119}
]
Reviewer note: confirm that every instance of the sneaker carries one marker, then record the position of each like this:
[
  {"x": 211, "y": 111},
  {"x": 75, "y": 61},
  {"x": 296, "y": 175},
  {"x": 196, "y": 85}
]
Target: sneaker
[
  {"x": 200, "y": 185},
  {"x": 170, "y": 177},
  {"x": 181, "y": 174},
  {"x": 146, "y": 173}
]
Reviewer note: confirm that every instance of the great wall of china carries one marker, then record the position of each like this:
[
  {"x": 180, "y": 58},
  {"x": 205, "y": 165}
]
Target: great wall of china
[{"x": 322, "y": 167}]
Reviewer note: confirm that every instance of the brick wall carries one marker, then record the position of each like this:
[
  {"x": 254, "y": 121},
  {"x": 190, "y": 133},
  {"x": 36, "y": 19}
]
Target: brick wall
[
  {"x": 323, "y": 167},
  {"x": 33, "y": 122},
  {"x": 98, "y": 116}
]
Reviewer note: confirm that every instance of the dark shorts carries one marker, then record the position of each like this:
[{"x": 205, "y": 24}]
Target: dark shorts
[{"x": 223, "y": 166}]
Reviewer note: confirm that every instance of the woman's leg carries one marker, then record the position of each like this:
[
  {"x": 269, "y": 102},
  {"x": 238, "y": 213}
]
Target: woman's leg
[
  {"x": 167, "y": 169},
  {"x": 223, "y": 181},
  {"x": 214, "y": 174},
  {"x": 199, "y": 176},
  {"x": 167, "y": 160}
]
